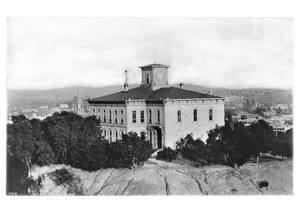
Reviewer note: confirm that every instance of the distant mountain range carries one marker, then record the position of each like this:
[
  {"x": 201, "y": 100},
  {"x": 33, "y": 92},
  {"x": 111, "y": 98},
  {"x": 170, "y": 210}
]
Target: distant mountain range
[{"x": 66, "y": 94}]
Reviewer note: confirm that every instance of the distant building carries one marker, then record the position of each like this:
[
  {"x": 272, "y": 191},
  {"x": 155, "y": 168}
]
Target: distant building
[
  {"x": 163, "y": 112},
  {"x": 63, "y": 106}
]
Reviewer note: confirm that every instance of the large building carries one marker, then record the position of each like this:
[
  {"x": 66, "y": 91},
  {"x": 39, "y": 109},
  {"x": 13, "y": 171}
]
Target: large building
[{"x": 163, "y": 112}]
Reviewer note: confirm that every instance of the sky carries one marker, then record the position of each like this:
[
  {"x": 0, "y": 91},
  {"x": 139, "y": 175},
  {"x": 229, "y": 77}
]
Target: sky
[{"x": 49, "y": 53}]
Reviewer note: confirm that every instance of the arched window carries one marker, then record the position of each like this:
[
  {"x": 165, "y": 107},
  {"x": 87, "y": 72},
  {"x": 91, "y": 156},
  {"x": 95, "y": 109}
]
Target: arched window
[
  {"x": 158, "y": 116},
  {"x": 150, "y": 116},
  {"x": 99, "y": 115},
  {"x": 147, "y": 78},
  {"x": 179, "y": 116},
  {"x": 116, "y": 134},
  {"x": 121, "y": 134},
  {"x": 195, "y": 114},
  {"x": 110, "y": 136},
  {"x": 104, "y": 116},
  {"x": 104, "y": 133},
  {"x": 116, "y": 116},
  {"x": 122, "y": 116},
  {"x": 150, "y": 137},
  {"x": 210, "y": 114},
  {"x": 109, "y": 112}
]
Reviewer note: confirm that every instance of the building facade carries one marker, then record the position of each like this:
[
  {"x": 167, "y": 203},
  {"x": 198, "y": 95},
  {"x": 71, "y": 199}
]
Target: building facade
[{"x": 163, "y": 112}]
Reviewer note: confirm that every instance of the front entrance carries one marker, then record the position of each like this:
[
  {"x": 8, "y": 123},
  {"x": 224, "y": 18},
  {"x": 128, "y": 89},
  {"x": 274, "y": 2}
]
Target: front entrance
[{"x": 157, "y": 140}]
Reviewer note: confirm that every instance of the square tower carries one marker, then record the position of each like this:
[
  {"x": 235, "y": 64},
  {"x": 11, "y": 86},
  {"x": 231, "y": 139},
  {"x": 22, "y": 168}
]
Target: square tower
[{"x": 155, "y": 75}]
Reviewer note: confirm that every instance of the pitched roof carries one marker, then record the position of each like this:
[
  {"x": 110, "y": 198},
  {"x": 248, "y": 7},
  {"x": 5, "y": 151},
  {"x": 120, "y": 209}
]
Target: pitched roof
[
  {"x": 140, "y": 93},
  {"x": 144, "y": 92},
  {"x": 154, "y": 65},
  {"x": 176, "y": 93}
]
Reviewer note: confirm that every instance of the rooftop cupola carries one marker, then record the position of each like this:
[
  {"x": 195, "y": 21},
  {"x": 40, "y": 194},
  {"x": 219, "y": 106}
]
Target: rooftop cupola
[{"x": 155, "y": 75}]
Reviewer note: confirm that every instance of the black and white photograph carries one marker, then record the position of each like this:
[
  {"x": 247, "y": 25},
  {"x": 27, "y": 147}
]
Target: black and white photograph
[{"x": 149, "y": 106}]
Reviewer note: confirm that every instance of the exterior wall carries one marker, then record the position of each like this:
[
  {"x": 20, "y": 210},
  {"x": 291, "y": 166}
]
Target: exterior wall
[
  {"x": 137, "y": 106},
  {"x": 175, "y": 130},
  {"x": 172, "y": 130},
  {"x": 154, "y": 122},
  {"x": 144, "y": 76},
  {"x": 98, "y": 111}
]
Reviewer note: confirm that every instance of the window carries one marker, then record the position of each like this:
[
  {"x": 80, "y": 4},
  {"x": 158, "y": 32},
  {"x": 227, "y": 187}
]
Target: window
[
  {"x": 158, "y": 116},
  {"x": 122, "y": 117},
  {"x": 121, "y": 133},
  {"x": 150, "y": 135},
  {"x": 104, "y": 116},
  {"x": 179, "y": 116},
  {"x": 210, "y": 114},
  {"x": 116, "y": 116},
  {"x": 104, "y": 132},
  {"x": 94, "y": 110},
  {"x": 109, "y": 116},
  {"x": 142, "y": 116},
  {"x": 116, "y": 134},
  {"x": 99, "y": 111},
  {"x": 147, "y": 75},
  {"x": 150, "y": 116},
  {"x": 110, "y": 135},
  {"x": 195, "y": 114},
  {"x": 134, "y": 116}
]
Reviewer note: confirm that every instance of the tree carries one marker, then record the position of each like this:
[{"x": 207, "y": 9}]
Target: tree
[
  {"x": 71, "y": 137},
  {"x": 131, "y": 150},
  {"x": 194, "y": 150},
  {"x": 260, "y": 111},
  {"x": 66, "y": 138},
  {"x": 263, "y": 138},
  {"x": 229, "y": 145},
  {"x": 286, "y": 144},
  {"x": 20, "y": 155}
]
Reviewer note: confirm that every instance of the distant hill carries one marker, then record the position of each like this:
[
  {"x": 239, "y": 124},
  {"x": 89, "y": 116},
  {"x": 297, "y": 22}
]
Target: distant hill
[
  {"x": 63, "y": 94},
  {"x": 270, "y": 96}
]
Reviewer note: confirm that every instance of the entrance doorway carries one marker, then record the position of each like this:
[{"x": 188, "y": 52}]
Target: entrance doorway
[{"x": 159, "y": 138}]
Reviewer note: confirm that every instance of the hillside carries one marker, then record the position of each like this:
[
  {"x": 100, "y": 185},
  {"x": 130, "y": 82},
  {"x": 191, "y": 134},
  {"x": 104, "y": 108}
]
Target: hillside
[
  {"x": 65, "y": 94},
  {"x": 161, "y": 178}
]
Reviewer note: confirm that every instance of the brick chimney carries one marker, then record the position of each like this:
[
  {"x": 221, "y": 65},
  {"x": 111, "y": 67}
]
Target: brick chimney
[
  {"x": 181, "y": 85},
  {"x": 126, "y": 82}
]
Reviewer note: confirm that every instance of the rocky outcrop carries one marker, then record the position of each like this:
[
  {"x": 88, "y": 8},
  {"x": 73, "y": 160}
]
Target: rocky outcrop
[{"x": 162, "y": 178}]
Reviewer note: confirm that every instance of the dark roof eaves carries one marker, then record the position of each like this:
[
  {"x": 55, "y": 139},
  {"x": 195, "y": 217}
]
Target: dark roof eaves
[
  {"x": 106, "y": 102},
  {"x": 154, "y": 66}
]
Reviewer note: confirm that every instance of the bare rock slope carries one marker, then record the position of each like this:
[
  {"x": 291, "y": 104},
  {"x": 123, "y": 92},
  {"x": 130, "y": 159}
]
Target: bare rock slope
[{"x": 162, "y": 178}]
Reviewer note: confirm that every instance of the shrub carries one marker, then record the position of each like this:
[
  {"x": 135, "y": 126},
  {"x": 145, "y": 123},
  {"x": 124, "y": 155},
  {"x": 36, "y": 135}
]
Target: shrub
[
  {"x": 131, "y": 150},
  {"x": 194, "y": 150},
  {"x": 167, "y": 154}
]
